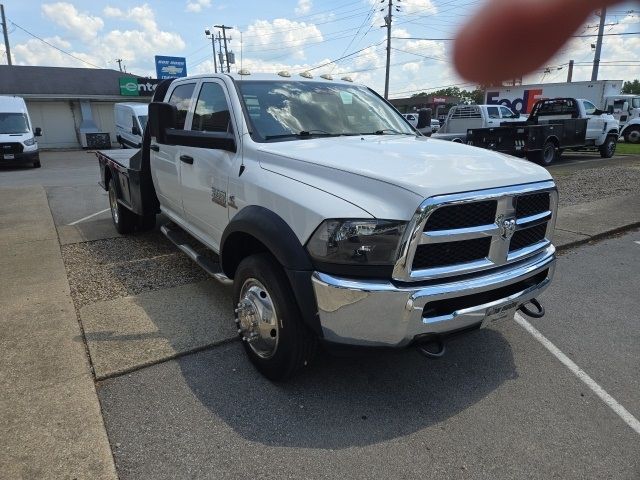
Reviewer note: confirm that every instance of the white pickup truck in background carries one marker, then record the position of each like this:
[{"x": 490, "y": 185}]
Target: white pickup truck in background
[
  {"x": 465, "y": 117},
  {"x": 334, "y": 221}
]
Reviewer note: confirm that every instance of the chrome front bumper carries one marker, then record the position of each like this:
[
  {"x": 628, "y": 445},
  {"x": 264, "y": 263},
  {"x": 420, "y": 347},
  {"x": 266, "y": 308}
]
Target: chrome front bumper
[{"x": 380, "y": 313}]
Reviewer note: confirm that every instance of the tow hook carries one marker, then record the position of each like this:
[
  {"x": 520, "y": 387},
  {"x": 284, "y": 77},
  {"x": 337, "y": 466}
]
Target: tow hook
[
  {"x": 435, "y": 341},
  {"x": 539, "y": 314}
]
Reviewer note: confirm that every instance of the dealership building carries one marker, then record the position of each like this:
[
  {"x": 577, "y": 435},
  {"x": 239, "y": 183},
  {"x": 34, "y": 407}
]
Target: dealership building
[{"x": 74, "y": 106}]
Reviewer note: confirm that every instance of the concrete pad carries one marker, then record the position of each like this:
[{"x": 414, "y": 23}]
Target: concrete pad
[
  {"x": 127, "y": 333},
  {"x": 600, "y": 216},
  {"x": 88, "y": 231},
  {"x": 50, "y": 422}
]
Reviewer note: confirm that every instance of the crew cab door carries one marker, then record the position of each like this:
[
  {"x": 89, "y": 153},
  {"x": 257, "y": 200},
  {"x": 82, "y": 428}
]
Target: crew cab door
[
  {"x": 493, "y": 116},
  {"x": 595, "y": 125},
  {"x": 165, "y": 163},
  {"x": 204, "y": 172}
]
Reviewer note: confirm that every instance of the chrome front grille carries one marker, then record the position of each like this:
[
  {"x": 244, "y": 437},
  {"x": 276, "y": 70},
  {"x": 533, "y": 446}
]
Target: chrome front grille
[{"x": 463, "y": 233}]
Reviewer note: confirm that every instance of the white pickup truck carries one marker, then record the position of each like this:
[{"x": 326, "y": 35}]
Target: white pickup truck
[
  {"x": 462, "y": 118},
  {"x": 333, "y": 219}
]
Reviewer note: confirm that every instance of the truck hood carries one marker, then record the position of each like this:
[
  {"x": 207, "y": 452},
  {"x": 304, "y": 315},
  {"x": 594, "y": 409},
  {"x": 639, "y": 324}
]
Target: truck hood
[{"x": 421, "y": 165}]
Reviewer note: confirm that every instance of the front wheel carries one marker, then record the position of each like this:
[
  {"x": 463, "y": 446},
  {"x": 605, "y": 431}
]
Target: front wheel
[
  {"x": 632, "y": 135},
  {"x": 608, "y": 148},
  {"x": 274, "y": 336}
]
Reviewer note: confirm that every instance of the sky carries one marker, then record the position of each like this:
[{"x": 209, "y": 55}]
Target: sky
[{"x": 294, "y": 35}]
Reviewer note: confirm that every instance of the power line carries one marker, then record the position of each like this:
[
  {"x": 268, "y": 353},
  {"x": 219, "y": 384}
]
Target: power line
[
  {"x": 589, "y": 35},
  {"x": 53, "y": 46},
  {"x": 345, "y": 56}
]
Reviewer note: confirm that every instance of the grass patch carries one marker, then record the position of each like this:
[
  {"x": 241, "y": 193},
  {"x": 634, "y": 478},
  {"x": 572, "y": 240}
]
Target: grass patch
[{"x": 628, "y": 148}]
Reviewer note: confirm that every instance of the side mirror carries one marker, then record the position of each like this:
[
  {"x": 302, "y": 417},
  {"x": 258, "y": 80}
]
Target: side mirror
[
  {"x": 162, "y": 116},
  {"x": 610, "y": 109},
  {"x": 37, "y": 132},
  {"x": 516, "y": 115},
  {"x": 135, "y": 130},
  {"x": 625, "y": 107}
]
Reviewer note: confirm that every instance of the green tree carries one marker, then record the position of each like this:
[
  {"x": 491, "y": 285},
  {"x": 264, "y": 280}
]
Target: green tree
[
  {"x": 475, "y": 96},
  {"x": 631, "y": 87}
]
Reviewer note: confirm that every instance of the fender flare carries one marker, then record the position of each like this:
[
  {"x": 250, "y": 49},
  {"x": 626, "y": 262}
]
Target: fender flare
[{"x": 278, "y": 238}]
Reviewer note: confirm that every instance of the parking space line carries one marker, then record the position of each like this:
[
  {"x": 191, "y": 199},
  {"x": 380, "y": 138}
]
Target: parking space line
[
  {"x": 622, "y": 412},
  {"x": 88, "y": 217}
]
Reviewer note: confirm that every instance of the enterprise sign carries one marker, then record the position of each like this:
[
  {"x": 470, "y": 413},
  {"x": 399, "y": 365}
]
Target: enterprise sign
[{"x": 137, "y": 87}]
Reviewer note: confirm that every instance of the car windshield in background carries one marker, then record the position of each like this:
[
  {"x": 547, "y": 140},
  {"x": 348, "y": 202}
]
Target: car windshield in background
[
  {"x": 13, "y": 123},
  {"x": 291, "y": 110},
  {"x": 143, "y": 121}
]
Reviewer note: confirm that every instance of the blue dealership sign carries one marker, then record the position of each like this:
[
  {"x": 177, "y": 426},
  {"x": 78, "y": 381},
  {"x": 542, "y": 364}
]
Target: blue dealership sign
[{"x": 170, "y": 67}]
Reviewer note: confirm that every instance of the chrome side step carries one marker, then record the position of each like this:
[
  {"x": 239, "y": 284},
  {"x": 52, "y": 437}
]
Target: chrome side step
[{"x": 180, "y": 240}]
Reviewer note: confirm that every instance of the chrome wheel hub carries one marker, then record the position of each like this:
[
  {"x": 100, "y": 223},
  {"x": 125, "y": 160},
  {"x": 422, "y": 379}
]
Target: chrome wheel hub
[
  {"x": 113, "y": 203},
  {"x": 257, "y": 319}
]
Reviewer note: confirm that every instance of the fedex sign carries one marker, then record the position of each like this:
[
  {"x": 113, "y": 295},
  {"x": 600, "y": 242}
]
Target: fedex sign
[{"x": 521, "y": 105}]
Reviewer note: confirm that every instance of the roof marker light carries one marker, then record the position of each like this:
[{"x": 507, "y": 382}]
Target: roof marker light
[
  {"x": 327, "y": 76},
  {"x": 244, "y": 71},
  {"x": 284, "y": 73},
  {"x": 347, "y": 79},
  {"x": 306, "y": 75}
]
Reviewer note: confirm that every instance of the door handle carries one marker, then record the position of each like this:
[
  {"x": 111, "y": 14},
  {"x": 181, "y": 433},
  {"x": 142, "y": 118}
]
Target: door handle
[
  {"x": 154, "y": 147},
  {"x": 186, "y": 159}
]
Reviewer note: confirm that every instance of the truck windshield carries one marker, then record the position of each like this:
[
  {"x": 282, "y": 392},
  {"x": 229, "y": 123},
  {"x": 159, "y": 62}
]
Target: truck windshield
[
  {"x": 636, "y": 102},
  {"x": 13, "y": 123},
  {"x": 289, "y": 110}
]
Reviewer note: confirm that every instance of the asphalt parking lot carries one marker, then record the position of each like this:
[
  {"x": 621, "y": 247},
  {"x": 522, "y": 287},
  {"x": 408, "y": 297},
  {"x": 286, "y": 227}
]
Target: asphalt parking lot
[{"x": 180, "y": 400}]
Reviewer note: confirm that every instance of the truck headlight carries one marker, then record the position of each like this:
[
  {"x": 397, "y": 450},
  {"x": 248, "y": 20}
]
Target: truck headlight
[
  {"x": 30, "y": 141},
  {"x": 363, "y": 242}
]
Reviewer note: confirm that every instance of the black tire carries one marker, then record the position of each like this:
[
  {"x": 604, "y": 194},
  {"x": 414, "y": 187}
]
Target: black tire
[
  {"x": 632, "y": 135},
  {"x": 608, "y": 148},
  {"x": 547, "y": 155},
  {"x": 123, "y": 219},
  {"x": 36, "y": 164},
  {"x": 295, "y": 345},
  {"x": 146, "y": 222}
]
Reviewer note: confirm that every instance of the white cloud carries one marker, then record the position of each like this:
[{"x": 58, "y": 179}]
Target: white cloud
[
  {"x": 304, "y": 6},
  {"x": 82, "y": 25},
  {"x": 112, "y": 12},
  {"x": 281, "y": 32},
  {"x": 136, "y": 46},
  {"x": 195, "y": 6}
]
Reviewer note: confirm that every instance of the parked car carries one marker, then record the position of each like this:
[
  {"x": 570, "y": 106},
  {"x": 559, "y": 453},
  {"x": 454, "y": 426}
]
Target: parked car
[
  {"x": 131, "y": 119},
  {"x": 464, "y": 117},
  {"x": 18, "y": 145},
  {"x": 412, "y": 118},
  {"x": 333, "y": 220},
  {"x": 554, "y": 126}
]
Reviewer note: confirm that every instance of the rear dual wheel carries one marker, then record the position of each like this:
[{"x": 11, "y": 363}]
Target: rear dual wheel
[
  {"x": 124, "y": 219},
  {"x": 547, "y": 155}
]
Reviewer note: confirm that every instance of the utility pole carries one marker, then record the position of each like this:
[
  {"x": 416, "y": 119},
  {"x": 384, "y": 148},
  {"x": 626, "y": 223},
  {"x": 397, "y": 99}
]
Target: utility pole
[
  {"x": 208, "y": 33},
  {"x": 119, "y": 60},
  {"x": 224, "y": 38},
  {"x": 387, "y": 21},
  {"x": 570, "y": 72},
  {"x": 596, "y": 58},
  {"x": 5, "y": 31}
]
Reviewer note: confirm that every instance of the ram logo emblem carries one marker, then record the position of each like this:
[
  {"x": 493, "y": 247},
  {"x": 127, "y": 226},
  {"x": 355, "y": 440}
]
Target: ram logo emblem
[{"x": 507, "y": 227}]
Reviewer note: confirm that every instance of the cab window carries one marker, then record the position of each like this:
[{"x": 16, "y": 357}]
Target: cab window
[
  {"x": 506, "y": 113},
  {"x": 181, "y": 98},
  {"x": 493, "y": 112},
  {"x": 212, "y": 111},
  {"x": 589, "y": 108}
]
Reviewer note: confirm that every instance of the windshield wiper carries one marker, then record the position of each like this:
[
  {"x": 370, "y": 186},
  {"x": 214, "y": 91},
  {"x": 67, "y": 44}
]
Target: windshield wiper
[
  {"x": 387, "y": 130},
  {"x": 306, "y": 134}
]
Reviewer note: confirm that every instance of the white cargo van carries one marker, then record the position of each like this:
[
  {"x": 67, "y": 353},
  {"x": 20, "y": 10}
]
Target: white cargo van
[
  {"x": 131, "y": 118},
  {"x": 17, "y": 137}
]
